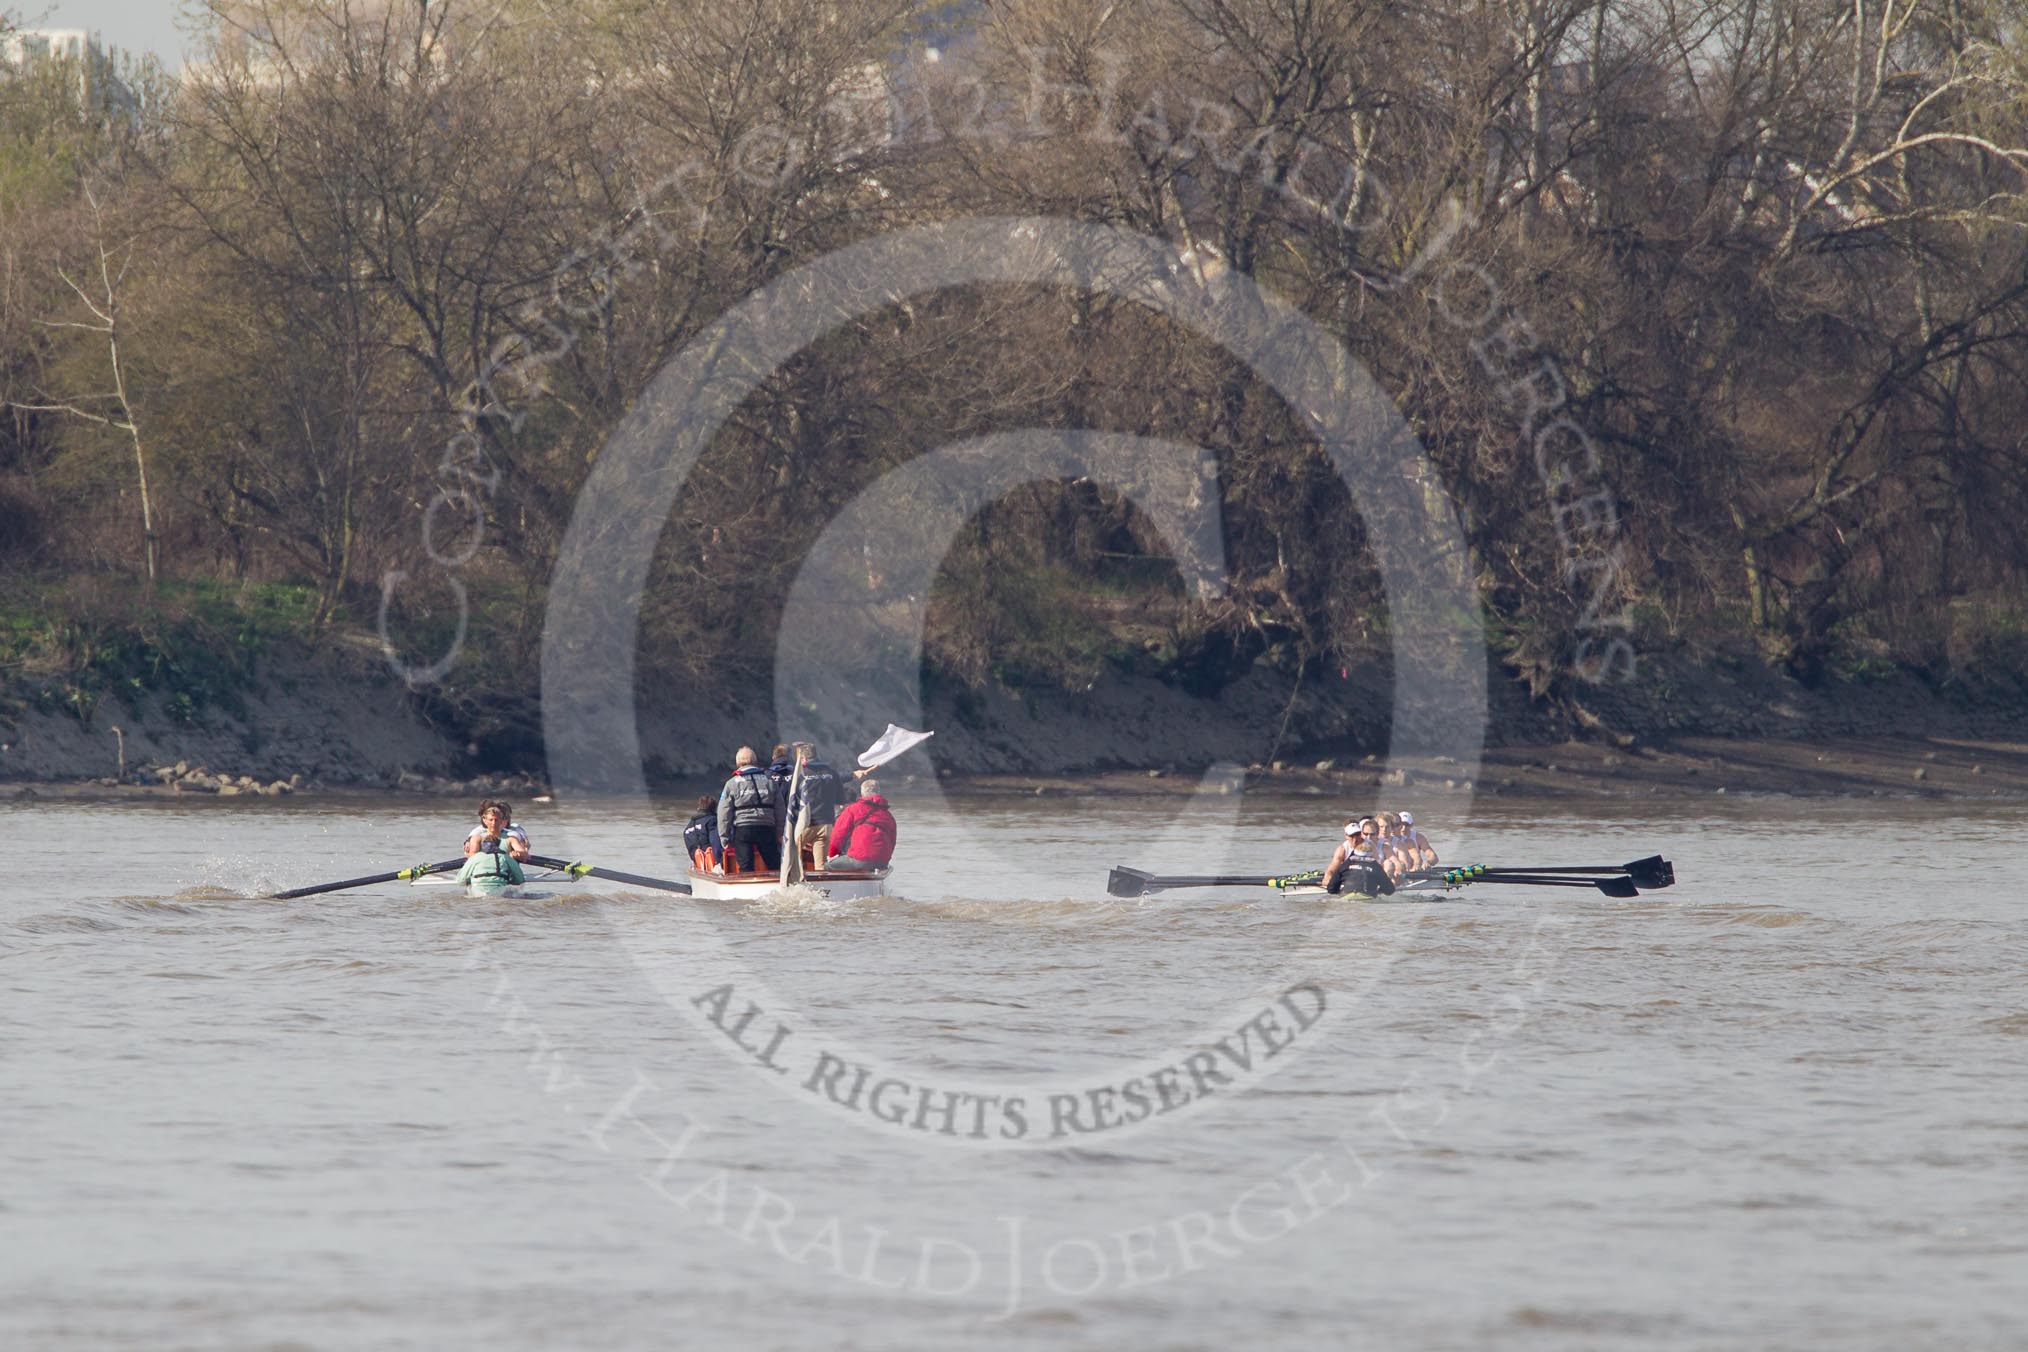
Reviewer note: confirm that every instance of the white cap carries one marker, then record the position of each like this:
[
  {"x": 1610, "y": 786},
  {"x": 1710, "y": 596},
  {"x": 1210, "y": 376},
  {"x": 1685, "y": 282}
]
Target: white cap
[
  {"x": 1408, "y": 819},
  {"x": 1351, "y": 828}
]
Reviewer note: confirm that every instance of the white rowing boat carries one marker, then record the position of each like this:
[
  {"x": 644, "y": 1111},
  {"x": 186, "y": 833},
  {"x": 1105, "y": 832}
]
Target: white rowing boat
[{"x": 834, "y": 884}]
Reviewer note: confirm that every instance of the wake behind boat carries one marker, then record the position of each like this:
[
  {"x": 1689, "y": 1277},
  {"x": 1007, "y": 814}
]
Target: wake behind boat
[{"x": 834, "y": 884}]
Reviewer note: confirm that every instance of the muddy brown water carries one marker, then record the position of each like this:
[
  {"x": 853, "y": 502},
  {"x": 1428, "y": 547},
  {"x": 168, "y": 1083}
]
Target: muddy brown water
[{"x": 1781, "y": 1104}]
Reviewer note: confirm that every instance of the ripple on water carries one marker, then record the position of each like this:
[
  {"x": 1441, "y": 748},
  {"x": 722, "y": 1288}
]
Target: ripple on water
[
  {"x": 156, "y": 905},
  {"x": 799, "y": 901},
  {"x": 1623, "y": 1323},
  {"x": 1081, "y": 911},
  {"x": 1763, "y": 917},
  {"x": 326, "y": 964},
  {"x": 57, "y": 923},
  {"x": 218, "y": 892}
]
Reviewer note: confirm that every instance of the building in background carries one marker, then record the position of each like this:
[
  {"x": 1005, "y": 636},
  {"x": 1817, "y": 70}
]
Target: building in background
[{"x": 78, "y": 50}]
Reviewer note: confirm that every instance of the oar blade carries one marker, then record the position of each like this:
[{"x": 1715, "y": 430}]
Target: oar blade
[
  {"x": 1127, "y": 882},
  {"x": 1652, "y": 872},
  {"x": 1618, "y": 887}
]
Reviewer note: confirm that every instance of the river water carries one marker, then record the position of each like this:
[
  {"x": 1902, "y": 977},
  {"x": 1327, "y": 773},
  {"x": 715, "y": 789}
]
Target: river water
[{"x": 1780, "y": 1105}]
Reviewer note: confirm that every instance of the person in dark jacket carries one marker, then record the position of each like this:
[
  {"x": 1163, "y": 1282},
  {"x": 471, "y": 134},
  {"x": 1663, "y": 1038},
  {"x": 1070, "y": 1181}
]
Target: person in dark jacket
[
  {"x": 815, "y": 805},
  {"x": 701, "y": 833},
  {"x": 750, "y": 814},
  {"x": 863, "y": 835}
]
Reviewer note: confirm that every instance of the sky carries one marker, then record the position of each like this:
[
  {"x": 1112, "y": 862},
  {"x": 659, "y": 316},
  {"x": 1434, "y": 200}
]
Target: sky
[{"x": 137, "y": 25}]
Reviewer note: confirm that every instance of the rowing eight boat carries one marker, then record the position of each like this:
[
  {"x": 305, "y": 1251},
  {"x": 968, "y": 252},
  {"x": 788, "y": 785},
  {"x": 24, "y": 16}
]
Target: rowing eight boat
[{"x": 1362, "y": 879}]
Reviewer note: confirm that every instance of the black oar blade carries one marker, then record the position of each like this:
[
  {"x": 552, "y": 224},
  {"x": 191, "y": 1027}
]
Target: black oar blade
[
  {"x": 1617, "y": 887},
  {"x": 398, "y": 876},
  {"x": 1653, "y": 872},
  {"x": 1127, "y": 882}
]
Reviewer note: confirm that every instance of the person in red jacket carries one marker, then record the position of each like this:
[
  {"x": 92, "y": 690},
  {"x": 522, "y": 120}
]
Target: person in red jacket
[{"x": 863, "y": 835}]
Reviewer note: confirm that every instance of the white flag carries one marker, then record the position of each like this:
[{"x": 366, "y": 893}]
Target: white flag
[{"x": 891, "y": 744}]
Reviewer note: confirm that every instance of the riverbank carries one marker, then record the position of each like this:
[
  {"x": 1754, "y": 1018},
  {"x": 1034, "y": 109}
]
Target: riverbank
[
  {"x": 1693, "y": 723},
  {"x": 1913, "y": 767}
]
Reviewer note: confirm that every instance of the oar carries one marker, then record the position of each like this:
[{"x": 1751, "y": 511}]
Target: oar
[
  {"x": 611, "y": 875},
  {"x": 1621, "y": 886},
  {"x": 1132, "y": 882},
  {"x": 399, "y": 876},
  {"x": 1654, "y": 871}
]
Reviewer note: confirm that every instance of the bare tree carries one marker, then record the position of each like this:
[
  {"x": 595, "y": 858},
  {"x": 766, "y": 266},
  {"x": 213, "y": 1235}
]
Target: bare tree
[{"x": 101, "y": 298}]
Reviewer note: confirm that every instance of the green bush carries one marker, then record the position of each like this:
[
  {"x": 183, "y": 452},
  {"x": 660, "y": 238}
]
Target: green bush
[{"x": 73, "y": 641}]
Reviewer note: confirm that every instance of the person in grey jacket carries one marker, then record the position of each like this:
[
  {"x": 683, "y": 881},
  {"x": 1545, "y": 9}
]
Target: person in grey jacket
[{"x": 750, "y": 814}]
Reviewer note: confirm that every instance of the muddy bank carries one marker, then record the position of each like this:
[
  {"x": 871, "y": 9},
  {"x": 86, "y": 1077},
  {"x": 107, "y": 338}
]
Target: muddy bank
[
  {"x": 1914, "y": 767},
  {"x": 1691, "y": 723},
  {"x": 309, "y": 724}
]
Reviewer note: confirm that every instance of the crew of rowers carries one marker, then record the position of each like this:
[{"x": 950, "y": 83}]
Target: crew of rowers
[
  {"x": 746, "y": 828},
  {"x": 494, "y": 850},
  {"x": 1387, "y": 840}
]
